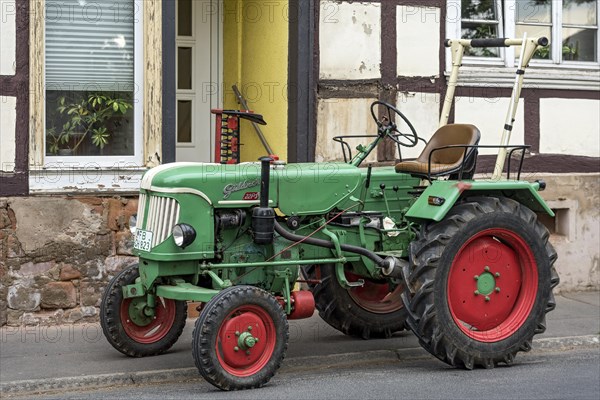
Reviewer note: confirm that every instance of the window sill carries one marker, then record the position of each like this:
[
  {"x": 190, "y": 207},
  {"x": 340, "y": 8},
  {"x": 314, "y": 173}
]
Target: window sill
[
  {"x": 79, "y": 180},
  {"x": 541, "y": 77}
]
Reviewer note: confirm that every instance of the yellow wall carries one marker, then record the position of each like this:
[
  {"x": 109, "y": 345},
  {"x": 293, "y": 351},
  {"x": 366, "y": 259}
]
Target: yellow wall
[{"x": 255, "y": 57}]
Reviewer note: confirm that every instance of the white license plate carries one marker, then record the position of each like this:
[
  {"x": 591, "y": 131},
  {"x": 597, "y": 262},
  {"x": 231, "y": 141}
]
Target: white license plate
[{"x": 143, "y": 240}]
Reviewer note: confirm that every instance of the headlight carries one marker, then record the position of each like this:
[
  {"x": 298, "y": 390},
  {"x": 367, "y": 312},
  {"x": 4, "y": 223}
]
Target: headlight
[
  {"x": 183, "y": 235},
  {"x": 133, "y": 224}
]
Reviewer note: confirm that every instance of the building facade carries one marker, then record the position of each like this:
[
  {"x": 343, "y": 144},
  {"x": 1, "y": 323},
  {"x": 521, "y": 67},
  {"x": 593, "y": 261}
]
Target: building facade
[
  {"x": 95, "y": 92},
  {"x": 392, "y": 50}
]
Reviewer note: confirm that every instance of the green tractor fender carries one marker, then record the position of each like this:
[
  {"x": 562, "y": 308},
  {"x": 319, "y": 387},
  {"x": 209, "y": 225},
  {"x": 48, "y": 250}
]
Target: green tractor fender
[{"x": 435, "y": 202}]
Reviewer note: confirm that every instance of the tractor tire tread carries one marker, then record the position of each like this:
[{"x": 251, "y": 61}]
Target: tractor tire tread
[
  {"x": 425, "y": 255},
  {"x": 111, "y": 324},
  {"x": 339, "y": 310},
  {"x": 208, "y": 324}
]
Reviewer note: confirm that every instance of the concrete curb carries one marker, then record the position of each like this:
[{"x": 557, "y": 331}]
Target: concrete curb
[
  {"x": 18, "y": 388},
  {"x": 567, "y": 342}
]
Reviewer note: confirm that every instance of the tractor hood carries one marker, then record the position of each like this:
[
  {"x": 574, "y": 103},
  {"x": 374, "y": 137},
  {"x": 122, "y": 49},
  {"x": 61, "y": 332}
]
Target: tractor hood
[{"x": 296, "y": 189}]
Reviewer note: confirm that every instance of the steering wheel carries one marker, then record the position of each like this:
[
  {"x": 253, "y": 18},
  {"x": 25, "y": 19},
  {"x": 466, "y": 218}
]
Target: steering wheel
[{"x": 386, "y": 127}]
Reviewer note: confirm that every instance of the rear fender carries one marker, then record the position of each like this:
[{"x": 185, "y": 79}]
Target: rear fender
[{"x": 449, "y": 192}]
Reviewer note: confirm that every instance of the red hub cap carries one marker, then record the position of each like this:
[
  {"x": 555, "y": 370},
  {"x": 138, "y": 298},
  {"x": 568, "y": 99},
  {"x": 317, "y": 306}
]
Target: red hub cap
[
  {"x": 492, "y": 285},
  {"x": 246, "y": 341},
  {"x": 147, "y": 329},
  {"x": 376, "y": 297}
]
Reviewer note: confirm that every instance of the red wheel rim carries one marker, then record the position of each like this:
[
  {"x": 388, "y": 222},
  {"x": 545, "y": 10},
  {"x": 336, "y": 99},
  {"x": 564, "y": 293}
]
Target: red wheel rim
[
  {"x": 373, "y": 296},
  {"x": 234, "y": 353},
  {"x": 158, "y": 326},
  {"x": 492, "y": 285}
]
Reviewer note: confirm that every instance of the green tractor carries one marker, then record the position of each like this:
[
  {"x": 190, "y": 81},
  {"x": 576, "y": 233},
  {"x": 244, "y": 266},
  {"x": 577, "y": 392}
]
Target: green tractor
[{"x": 463, "y": 263}]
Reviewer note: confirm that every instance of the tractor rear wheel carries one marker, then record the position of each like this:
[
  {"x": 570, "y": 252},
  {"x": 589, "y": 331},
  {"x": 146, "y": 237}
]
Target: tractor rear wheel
[
  {"x": 480, "y": 283},
  {"x": 240, "y": 339},
  {"x": 129, "y": 330},
  {"x": 374, "y": 310}
]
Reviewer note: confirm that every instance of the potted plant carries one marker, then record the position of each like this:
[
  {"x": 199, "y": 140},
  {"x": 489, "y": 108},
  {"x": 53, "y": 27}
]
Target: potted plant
[{"x": 94, "y": 117}]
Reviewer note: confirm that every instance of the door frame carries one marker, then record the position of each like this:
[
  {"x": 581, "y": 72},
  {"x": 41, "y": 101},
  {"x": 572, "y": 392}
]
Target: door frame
[
  {"x": 302, "y": 78},
  {"x": 169, "y": 61}
]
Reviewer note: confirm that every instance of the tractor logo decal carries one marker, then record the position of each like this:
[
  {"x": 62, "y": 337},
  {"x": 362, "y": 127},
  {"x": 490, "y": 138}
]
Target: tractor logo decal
[
  {"x": 236, "y": 187},
  {"x": 251, "y": 196}
]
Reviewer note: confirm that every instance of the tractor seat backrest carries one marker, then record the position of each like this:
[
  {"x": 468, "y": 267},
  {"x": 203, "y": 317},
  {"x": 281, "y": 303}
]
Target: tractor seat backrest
[{"x": 444, "y": 161}]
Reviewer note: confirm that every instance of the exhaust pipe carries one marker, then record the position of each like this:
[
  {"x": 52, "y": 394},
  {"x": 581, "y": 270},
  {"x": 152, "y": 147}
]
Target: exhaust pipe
[
  {"x": 391, "y": 267},
  {"x": 263, "y": 216},
  {"x": 394, "y": 267},
  {"x": 329, "y": 245}
]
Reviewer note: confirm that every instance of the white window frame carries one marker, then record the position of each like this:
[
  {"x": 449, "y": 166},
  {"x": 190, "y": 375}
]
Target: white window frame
[
  {"x": 552, "y": 74},
  {"x": 186, "y": 94},
  {"x": 498, "y": 61},
  {"x": 114, "y": 162},
  {"x": 557, "y": 47}
]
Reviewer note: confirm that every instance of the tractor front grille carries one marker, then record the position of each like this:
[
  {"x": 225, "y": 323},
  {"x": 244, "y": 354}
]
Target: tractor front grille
[{"x": 163, "y": 213}]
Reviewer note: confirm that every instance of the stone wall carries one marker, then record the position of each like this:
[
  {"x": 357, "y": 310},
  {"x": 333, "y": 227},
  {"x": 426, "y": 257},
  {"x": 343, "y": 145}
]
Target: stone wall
[{"x": 57, "y": 255}]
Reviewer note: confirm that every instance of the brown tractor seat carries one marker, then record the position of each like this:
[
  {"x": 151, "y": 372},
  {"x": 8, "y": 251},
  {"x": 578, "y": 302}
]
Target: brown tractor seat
[{"x": 445, "y": 161}]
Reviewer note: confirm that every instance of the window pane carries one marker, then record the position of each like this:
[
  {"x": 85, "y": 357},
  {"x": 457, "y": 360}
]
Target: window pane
[
  {"x": 579, "y": 44},
  {"x": 580, "y": 12},
  {"x": 544, "y": 53},
  {"x": 184, "y": 68},
  {"x": 89, "y": 77},
  {"x": 184, "y": 121},
  {"x": 534, "y": 11},
  {"x": 475, "y": 13},
  {"x": 184, "y": 17},
  {"x": 479, "y": 9},
  {"x": 480, "y": 31}
]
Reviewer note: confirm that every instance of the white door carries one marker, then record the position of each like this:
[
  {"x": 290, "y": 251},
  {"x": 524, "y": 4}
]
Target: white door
[{"x": 199, "y": 77}]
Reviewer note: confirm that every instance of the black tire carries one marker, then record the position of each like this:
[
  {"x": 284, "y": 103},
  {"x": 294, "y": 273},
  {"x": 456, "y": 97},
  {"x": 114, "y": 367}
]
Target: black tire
[
  {"x": 342, "y": 308},
  {"x": 211, "y": 338},
  {"x": 167, "y": 326},
  {"x": 434, "y": 307}
]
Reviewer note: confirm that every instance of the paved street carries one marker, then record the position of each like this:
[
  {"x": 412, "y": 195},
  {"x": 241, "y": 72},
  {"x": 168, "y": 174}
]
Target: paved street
[
  {"x": 556, "y": 375},
  {"x": 320, "y": 363}
]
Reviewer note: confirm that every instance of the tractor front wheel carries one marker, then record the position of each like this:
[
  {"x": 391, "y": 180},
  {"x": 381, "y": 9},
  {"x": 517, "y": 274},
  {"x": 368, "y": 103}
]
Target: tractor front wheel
[
  {"x": 374, "y": 310},
  {"x": 480, "y": 283},
  {"x": 132, "y": 331},
  {"x": 240, "y": 339}
]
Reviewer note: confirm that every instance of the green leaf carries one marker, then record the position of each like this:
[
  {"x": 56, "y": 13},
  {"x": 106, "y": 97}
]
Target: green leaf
[
  {"x": 100, "y": 137},
  {"x": 116, "y": 107}
]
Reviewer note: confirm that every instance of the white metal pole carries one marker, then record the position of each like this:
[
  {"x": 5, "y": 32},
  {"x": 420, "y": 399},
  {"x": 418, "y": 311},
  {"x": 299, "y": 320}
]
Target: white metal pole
[
  {"x": 458, "y": 50},
  {"x": 528, "y": 48}
]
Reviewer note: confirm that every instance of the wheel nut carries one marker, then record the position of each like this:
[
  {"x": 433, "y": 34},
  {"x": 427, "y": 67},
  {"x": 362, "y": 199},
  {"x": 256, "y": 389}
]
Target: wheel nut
[
  {"x": 236, "y": 348},
  {"x": 497, "y": 290},
  {"x": 476, "y": 292},
  {"x": 476, "y": 277},
  {"x": 497, "y": 274},
  {"x": 487, "y": 298},
  {"x": 237, "y": 333},
  {"x": 250, "y": 328},
  {"x": 486, "y": 269}
]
